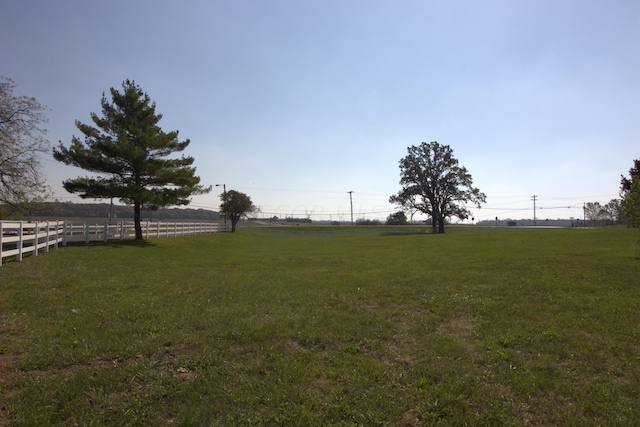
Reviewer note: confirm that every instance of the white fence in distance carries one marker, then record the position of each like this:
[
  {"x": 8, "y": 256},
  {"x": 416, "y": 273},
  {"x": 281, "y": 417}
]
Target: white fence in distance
[{"x": 18, "y": 238}]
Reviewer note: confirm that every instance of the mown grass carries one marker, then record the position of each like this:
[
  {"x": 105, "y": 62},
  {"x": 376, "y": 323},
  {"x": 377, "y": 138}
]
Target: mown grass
[{"x": 512, "y": 327}]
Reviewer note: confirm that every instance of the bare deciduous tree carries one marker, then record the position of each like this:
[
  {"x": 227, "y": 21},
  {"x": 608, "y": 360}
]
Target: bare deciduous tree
[{"x": 22, "y": 142}]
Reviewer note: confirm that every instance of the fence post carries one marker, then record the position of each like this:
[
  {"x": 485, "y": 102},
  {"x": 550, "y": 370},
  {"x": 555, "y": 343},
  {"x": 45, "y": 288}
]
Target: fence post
[
  {"x": 36, "y": 237},
  {"x": 1, "y": 232},
  {"x": 106, "y": 231},
  {"x": 57, "y": 235},
  {"x": 46, "y": 237},
  {"x": 20, "y": 232}
]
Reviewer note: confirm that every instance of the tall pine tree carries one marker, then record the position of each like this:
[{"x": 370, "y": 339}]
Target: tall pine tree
[{"x": 130, "y": 156}]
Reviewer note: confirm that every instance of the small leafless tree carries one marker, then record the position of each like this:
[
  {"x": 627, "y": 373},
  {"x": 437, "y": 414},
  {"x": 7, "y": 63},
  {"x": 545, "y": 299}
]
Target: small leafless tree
[{"x": 22, "y": 143}]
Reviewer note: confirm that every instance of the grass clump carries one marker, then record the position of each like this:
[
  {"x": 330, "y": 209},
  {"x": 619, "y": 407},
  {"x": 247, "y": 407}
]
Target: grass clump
[{"x": 512, "y": 327}]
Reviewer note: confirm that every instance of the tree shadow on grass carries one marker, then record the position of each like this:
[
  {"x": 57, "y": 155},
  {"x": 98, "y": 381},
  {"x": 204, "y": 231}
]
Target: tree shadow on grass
[
  {"x": 116, "y": 244},
  {"x": 405, "y": 232}
]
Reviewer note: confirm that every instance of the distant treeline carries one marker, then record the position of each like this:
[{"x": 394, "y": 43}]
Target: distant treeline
[
  {"x": 102, "y": 210},
  {"x": 275, "y": 219},
  {"x": 577, "y": 222}
]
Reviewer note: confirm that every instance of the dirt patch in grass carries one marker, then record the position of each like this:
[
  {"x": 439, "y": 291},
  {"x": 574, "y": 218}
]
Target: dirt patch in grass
[
  {"x": 8, "y": 375},
  {"x": 166, "y": 360},
  {"x": 295, "y": 347},
  {"x": 8, "y": 371},
  {"x": 460, "y": 327}
]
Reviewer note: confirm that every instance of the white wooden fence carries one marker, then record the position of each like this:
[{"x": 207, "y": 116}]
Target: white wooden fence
[{"x": 18, "y": 238}]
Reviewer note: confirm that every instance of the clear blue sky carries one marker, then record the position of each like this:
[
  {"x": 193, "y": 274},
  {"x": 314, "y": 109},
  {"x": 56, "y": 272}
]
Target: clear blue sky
[{"x": 295, "y": 103}]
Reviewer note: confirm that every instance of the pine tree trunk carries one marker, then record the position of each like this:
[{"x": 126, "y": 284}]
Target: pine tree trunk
[{"x": 137, "y": 219}]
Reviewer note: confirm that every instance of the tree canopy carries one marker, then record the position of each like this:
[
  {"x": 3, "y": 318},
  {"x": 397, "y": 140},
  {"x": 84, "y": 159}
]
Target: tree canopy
[
  {"x": 598, "y": 214},
  {"x": 626, "y": 183},
  {"x": 433, "y": 183},
  {"x": 235, "y": 205},
  {"x": 128, "y": 155},
  {"x": 397, "y": 218},
  {"x": 22, "y": 142},
  {"x": 630, "y": 192}
]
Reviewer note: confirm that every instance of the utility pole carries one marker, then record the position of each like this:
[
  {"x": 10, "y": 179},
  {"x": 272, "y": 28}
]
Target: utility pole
[
  {"x": 351, "y": 201},
  {"x": 534, "y": 198}
]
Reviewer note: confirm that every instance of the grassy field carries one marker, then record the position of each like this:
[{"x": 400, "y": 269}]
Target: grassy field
[{"x": 261, "y": 327}]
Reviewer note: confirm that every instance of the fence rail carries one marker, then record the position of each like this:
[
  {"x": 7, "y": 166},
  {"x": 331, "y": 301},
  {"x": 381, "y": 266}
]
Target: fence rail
[{"x": 18, "y": 238}]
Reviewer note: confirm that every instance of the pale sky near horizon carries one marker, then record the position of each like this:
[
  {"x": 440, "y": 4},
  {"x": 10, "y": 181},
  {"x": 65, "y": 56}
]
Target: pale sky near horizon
[{"x": 296, "y": 103}]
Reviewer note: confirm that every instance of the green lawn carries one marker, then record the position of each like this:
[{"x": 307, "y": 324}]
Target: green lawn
[{"x": 484, "y": 327}]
